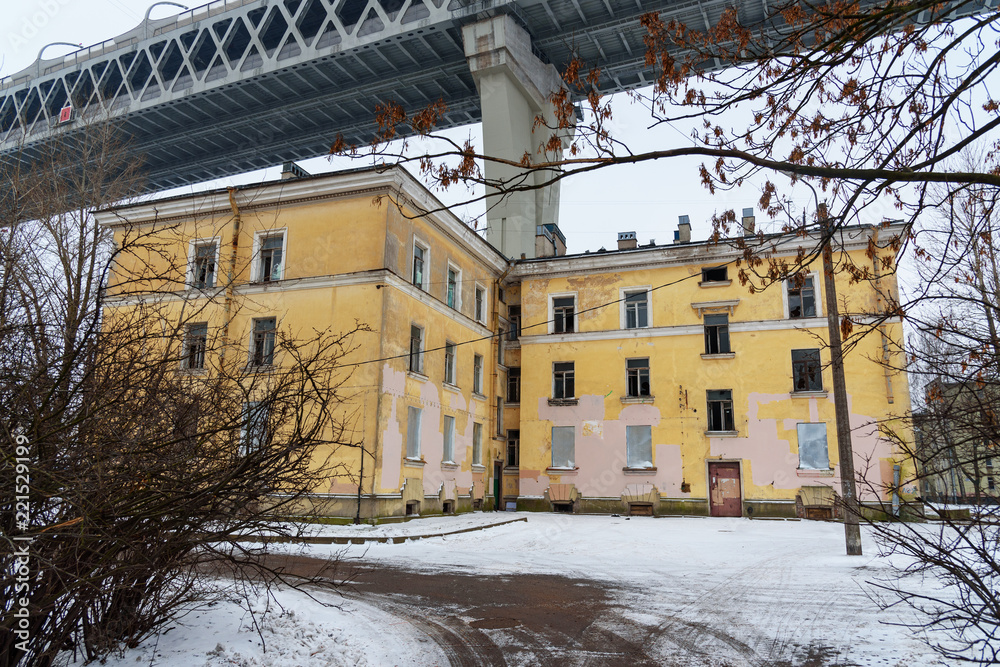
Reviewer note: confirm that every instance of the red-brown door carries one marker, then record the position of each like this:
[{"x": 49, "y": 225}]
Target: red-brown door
[{"x": 724, "y": 489}]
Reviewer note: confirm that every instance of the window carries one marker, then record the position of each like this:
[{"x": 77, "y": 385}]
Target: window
[
  {"x": 194, "y": 346},
  {"x": 813, "y": 452},
  {"x": 715, "y": 274},
  {"x": 203, "y": 273},
  {"x": 720, "y": 410},
  {"x": 477, "y": 444},
  {"x": 253, "y": 433},
  {"x": 637, "y": 377},
  {"x": 562, "y": 380},
  {"x": 262, "y": 345},
  {"x": 514, "y": 385},
  {"x": 513, "y": 448},
  {"x": 806, "y": 373},
  {"x": 801, "y": 297},
  {"x": 500, "y": 338},
  {"x": 717, "y": 334},
  {"x": 563, "y": 447},
  {"x": 449, "y": 362},
  {"x": 449, "y": 440},
  {"x": 563, "y": 308},
  {"x": 991, "y": 483},
  {"x": 477, "y": 374},
  {"x": 500, "y": 429},
  {"x": 271, "y": 248},
  {"x": 413, "y": 432},
  {"x": 419, "y": 259},
  {"x": 636, "y": 310},
  {"x": 480, "y": 304},
  {"x": 639, "y": 446},
  {"x": 514, "y": 317},
  {"x": 416, "y": 349},
  {"x": 454, "y": 281}
]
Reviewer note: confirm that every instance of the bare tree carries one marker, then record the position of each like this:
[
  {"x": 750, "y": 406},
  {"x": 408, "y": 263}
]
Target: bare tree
[{"x": 128, "y": 485}]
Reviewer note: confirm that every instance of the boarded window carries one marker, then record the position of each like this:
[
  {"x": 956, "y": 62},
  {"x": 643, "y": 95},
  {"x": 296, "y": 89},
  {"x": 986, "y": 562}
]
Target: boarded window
[
  {"x": 413, "y": 432},
  {"x": 813, "y": 452},
  {"x": 563, "y": 447},
  {"x": 449, "y": 440},
  {"x": 639, "y": 446}
]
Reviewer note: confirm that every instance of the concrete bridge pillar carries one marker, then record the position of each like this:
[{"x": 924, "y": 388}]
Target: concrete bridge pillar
[{"x": 514, "y": 88}]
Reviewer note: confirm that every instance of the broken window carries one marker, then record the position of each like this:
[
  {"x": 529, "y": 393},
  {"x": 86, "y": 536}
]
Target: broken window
[
  {"x": 563, "y": 447},
  {"x": 637, "y": 377},
  {"x": 453, "y": 283},
  {"x": 194, "y": 346},
  {"x": 639, "y": 446},
  {"x": 563, "y": 380},
  {"x": 416, "y": 349},
  {"x": 514, "y": 317},
  {"x": 513, "y": 448},
  {"x": 419, "y": 257},
  {"x": 413, "y": 432},
  {"x": 715, "y": 274},
  {"x": 514, "y": 385},
  {"x": 813, "y": 452},
  {"x": 480, "y": 304},
  {"x": 449, "y": 362},
  {"x": 203, "y": 273},
  {"x": 720, "y": 410},
  {"x": 717, "y": 334},
  {"x": 563, "y": 308},
  {"x": 448, "y": 455},
  {"x": 806, "y": 371},
  {"x": 477, "y": 444},
  {"x": 801, "y": 297},
  {"x": 270, "y": 257},
  {"x": 253, "y": 433},
  {"x": 262, "y": 345},
  {"x": 477, "y": 374},
  {"x": 636, "y": 309}
]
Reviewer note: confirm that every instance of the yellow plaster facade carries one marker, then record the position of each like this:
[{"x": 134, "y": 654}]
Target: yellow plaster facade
[{"x": 453, "y": 393}]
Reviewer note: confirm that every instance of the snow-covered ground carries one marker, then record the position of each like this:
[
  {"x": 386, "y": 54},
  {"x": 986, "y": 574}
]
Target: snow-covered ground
[{"x": 745, "y": 592}]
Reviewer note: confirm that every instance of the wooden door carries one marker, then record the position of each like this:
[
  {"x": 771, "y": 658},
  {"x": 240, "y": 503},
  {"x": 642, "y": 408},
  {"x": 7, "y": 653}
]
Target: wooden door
[{"x": 724, "y": 489}]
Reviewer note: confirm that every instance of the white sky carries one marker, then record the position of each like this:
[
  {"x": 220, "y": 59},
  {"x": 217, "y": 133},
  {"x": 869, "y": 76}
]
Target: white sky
[{"x": 644, "y": 198}]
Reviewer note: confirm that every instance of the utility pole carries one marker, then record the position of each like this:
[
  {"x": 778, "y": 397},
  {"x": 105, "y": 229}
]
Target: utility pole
[{"x": 852, "y": 527}]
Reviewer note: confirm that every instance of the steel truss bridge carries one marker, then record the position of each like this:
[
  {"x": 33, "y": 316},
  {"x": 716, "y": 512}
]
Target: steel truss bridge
[{"x": 237, "y": 85}]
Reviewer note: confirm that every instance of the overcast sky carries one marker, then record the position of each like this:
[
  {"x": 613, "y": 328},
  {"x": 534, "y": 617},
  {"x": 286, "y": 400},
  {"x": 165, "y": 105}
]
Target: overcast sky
[{"x": 644, "y": 198}]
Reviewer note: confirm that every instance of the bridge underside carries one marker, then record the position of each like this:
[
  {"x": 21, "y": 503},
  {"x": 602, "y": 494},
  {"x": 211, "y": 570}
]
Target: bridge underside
[{"x": 236, "y": 86}]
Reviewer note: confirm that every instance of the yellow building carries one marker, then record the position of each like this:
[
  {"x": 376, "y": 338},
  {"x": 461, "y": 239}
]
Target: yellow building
[{"x": 642, "y": 379}]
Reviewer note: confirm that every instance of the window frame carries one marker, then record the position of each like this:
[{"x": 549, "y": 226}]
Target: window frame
[
  {"x": 638, "y": 378},
  {"x": 418, "y": 355},
  {"x": 513, "y": 322},
  {"x": 714, "y": 331},
  {"x": 425, "y": 260},
  {"x": 450, "y": 363},
  {"x": 188, "y": 336},
  {"x": 560, "y": 380},
  {"x": 826, "y": 448},
  {"x": 193, "y": 245},
  {"x": 630, "y": 443},
  {"x": 552, "y": 312},
  {"x": 249, "y": 412},
  {"x": 723, "y": 413},
  {"x": 253, "y": 361},
  {"x": 257, "y": 266},
  {"x": 448, "y": 439},
  {"x": 513, "y": 446},
  {"x": 706, "y": 269},
  {"x": 477, "y": 444},
  {"x": 817, "y": 296},
  {"x": 624, "y": 293},
  {"x": 514, "y": 380},
  {"x": 562, "y": 464},
  {"x": 457, "y": 302},
  {"x": 479, "y": 304},
  {"x": 477, "y": 374},
  {"x": 816, "y": 374},
  {"x": 413, "y": 453}
]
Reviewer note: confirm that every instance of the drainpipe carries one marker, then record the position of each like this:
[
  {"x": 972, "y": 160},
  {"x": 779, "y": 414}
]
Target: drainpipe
[{"x": 230, "y": 274}]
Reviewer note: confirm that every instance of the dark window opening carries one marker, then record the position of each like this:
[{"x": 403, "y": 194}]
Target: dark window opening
[
  {"x": 270, "y": 258},
  {"x": 563, "y": 380},
  {"x": 637, "y": 377},
  {"x": 514, "y": 317},
  {"x": 806, "y": 371},
  {"x": 801, "y": 298},
  {"x": 720, "y": 410},
  {"x": 514, "y": 385},
  {"x": 513, "y": 448},
  {"x": 194, "y": 346},
  {"x": 717, "y": 334},
  {"x": 716, "y": 274},
  {"x": 563, "y": 308},
  {"x": 262, "y": 352}
]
